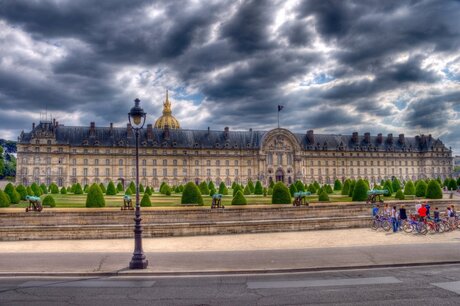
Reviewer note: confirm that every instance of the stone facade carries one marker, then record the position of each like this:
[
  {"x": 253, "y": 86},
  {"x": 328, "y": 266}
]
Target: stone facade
[{"x": 52, "y": 152}]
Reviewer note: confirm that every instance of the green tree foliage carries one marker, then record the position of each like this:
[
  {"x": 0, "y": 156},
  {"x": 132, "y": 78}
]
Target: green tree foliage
[
  {"x": 235, "y": 190},
  {"x": 323, "y": 196},
  {"x": 439, "y": 181},
  {"x": 452, "y": 184},
  {"x": 337, "y": 185},
  {"x": 234, "y": 185},
  {"x": 433, "y": 190},
  {"x": 351, "y": 188},
  {"x": 128, "y": 191},
  {"x": 191, "y": 194},
  {"x": 409, "y": 188},
  {"x": 328, "y": 189},
  {"x": 212, "y": 192},
  {"x": 36, "y": 189},
  {"x": 272, "y": 184},
  {"x": 54, "y": 189},
  {"x": 446, "y": 182},
  {"x": 265, "y": 191},
  {"x": 458, "y": 181},
  {"x": 395, "y": 185},
  {"x": 270, "y": 191},
  {"x": 399, "y": 195},
  {"x": 78, "y": 189},
  {"x": 132, "y": 186},
  {"x": 346, "y": 187},
  {"x": 316, "y": 184},
  {"x": 30, "y": 192},
  {"x": 43, "y": 188},
  {"x": 103, "y": 189},
  {"x": 389, "y": 187},
  {"x": 4, "y": 199},
  {"x": 49, "y": 201},
  {"x": 2, "y": 163},
  {"x": 141, "y": 188},
  {"x": 251, "y": 186},
  {"x": 120, "y": 187},
  {"x": 312, "y": 189},
  {"x": 292, "y": 189},
  {"x": 63, "y": 190},
  {"x": 420, "y": 188},
  {"x": 111, "y": 190},
  {"x": 299, "y": 186},
  {"x": 239, "y": 198},
  {"x": 204, "y": 188},
  {"x": 281, "y": 194},
  {"x": 95, "y": 197},
  {"x": 13, "y": 195},
  {"x": 360, "y": 191},
  {"x": 258, "y": 189},
  {"x": 22, "y": 191},
  {"x": 86, "y": 188},
  {"x": 145, "y": 202},
  {"x": 223, "y": 189}
]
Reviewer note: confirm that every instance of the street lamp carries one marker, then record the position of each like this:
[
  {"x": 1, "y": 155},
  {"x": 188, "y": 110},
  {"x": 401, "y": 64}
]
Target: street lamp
[{"x": 137, "y": 119}]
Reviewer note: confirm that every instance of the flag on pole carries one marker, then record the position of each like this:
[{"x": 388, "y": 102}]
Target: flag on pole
[{"x": 280, "y": 107}]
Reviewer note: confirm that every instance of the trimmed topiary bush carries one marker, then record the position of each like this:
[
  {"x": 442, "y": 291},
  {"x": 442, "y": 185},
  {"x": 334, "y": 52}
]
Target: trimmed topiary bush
[
  {"x": 299, "y": 186},
  {"x": 86, "y": 188},
  {"x": 95, "y": 197},
  {"x": 388, "y": 187},
  {"x": 235, "y": 190},
  {"x": 120, "y": 187},
  {"x": 128, "y": 191},
  {"x": 409, "y": 188},
  {"x": 191, "y": 194},
  {"x": 141, "y": 188},
  {"x": 281, "y": 194},
  {"x": 43, "y": 188},
  {"x": 323, "y": 196},
  {"x": 395, "y": 185},
  {"x": 36, "y": 189},
  {"x": 132, "y": 186},
  {"x": 360, "y": 191},
  {"x": 4, "y": 199},
  {"x": 271, "y": 184},
  {"x": 246, "y": 190},
  {"x": 78, "y": 189},
  {"x": 265, "y": 191},
  {"x": 13, "y": 195},
  {"x": 233, "y": 185},
  {"x": 270, "y": 191},
  {"x": 145, "y": 202},
  {"x": 328, "y": 189},
  {"x": 29, "y": 191},
  {"x": 239, "y": 199},
  {"x": 103, "y": 189},
  {"x": 111, "y": 190},
  {"x": 399, "y": 195},
  {"x": 292, "y": 189},
  {"x": 204, "y": 188},
  {"x": 312, "y": 189},
  {"x": 251, "y": 186},
  {"x": 452, "y": 184},
  {"x": 49, "y": 201},
  {"x": 258, "y": 189},
  {"x": 63, "y": 190},
  {"x": 54, "y": 189},
  {"x": 420, "y": 188},
  {"x": 337, "y": 185},
  {"x": 346, "y": 187},
  {"x": 22, "y": 192},
  {"x": 351, "y": 188},
  {"x": 433, "y": 190},
  {"x": 223, "y": 189}
]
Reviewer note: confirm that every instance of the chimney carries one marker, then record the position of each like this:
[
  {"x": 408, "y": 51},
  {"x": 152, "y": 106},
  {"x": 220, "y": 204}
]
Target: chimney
[
  {"x": 354, "y": 137},
  {"x": 129, "y": 130},
  {"x": 166, "y": 132},
  {"x": 311, "y": 136},
  {"x": 423, "y": 139},
  {"x": 390, "y": 138},
  {"x": 149, "y": 132},
  {"x": 379, "y": 138},
  {"x": 92, "y": 129},
  {"x": 33, "y": 125},
  {"x": 226, "y": 132},
  {"x": 367, "y": 137},
  {"x": 54, "y": 122},
  {"x": 401, "y": 138}
]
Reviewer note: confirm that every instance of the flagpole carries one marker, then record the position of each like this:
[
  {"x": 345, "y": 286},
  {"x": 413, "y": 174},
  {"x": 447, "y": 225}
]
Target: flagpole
[{"x": 278, "y": 117}]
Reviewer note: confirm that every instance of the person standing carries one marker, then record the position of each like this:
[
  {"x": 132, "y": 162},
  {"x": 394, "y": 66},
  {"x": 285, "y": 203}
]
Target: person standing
[{"x": 394, "y": 219}]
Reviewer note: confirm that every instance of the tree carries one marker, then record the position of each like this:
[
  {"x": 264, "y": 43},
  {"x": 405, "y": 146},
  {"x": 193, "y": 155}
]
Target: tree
[
  {"x": 272, "y": 184},
  {"x": 111, "y": 190},
  {"x": 400, "y": 195},
  {"x": 128, "y": 191},
  {"x": 223, "y": 189},
  {"x": 270, "y": 191},
  {"x": 4, "y": 199},
  {"x": 446, "y": 182},
  {"x": 234, "y": 185},
  {"x": 103, "y": 189},
  {"x": 409, "y": 188},
  {"x": 351, "y": 188},
  {"x": 43, "y": 188},
  {"x": 49, "y": 201},
  {"x": 395, "y": 185},
  {"x": 22, "y": 192},
  {"x": 141, "y": 188},
  {"x": 323, "y": 196},
  {"x": 78, "y": 189},
  {"x": 235, "y": 190},
  {"x": 36, "y": 189},
  {"x": 388, "y": 187},
  {"x": 95, "y": 197},
  {"x": 329, "y": 189},
  {"x": 191, "y": 194},
  {"x": 292, "y": 189},
  {"x": 452, "y": 184},
  {"x": 132, "y": 186},
  {"x": 346, "y": 187},
  {"x": 54, "y": 189},
  {"x": 312, "y": 189},
  {"x": 433, "y": 190},
  {"x": 86, "y": 188},
  {"x": 212, "y": 191},
  {"x": 258, "y": 189},
  {"x": 13, "y": 195},
  {"x": 360, "y": 191},
  {"x": 281, "y": 194},
  {"x": 63, "y": 190},
  {"x": 204, "y": 188},
  {"x": 458, "y": 181},
  {"x": 120, "y": 187},
  {"x": 420, "y": 188},
  {"x": 239, "y": 199},
  {"x": 211, "y": 186},
  {"x": 145, "y": 202},
  {"x": 265, "y": 191},
  {"x": 251, "y": 186},
  {"x": 299, "y": 186},
  {"x": 337, "y": 185},
  {"x": 29, "y": 191},
  {"x": 2, "y": 164}
]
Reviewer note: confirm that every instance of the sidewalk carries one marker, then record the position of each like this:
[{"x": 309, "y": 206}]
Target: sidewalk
[{"x": 267, "y": 252}]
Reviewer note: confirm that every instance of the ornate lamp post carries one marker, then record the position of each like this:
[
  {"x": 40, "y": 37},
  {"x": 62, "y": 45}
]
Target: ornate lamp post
[{"x": 137, "y": 119}]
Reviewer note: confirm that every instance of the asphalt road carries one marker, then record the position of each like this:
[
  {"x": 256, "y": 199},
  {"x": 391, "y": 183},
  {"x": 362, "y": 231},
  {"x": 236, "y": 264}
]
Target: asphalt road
[{"x": 429, "y": 285}]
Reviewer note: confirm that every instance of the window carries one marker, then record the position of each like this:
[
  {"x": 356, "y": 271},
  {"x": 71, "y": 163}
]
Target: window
[
  {"x": 217, "y": 162},
  {"x": 227, "y": 172},
  {"x": 184, "y": 171},
  {"x": 144, "y": 162},
  {"x": 175, "y": 162},
  {"x": 96, "y": 172},
  {"x": 60, "y": 170},
  {"x": 184, "y": 162},
  {"x": 218, "y": 172},
  {"x": 48, "y": 171},
  {"x": 236, "y": 172},
  {"x": 270, "y": 158},
  {"x": 208, "y": 172},
  {"x": 280, "y": 158},
  {"x": 175, "y": 172},
  {"x": 249, "y": 163},
  {"x": 85, "y": 162},
  {"x": 197, "y": 172},
  {"x": 197, "y": 162},
  {"x": 107, "y": 162},
  {"x": 120, "y": 172},
  {"x": 96, "y": 162},
  {"x": 165, "y": 162},
  {"x": 165, "y": 172},
  {"x": 227, "y": 163},
  {"x": 154, "y": 172},
  {"x": 154, "y": 162},
  {"x": 74, "y": 172},
  {"x": 236, "y": 163},
  {"x": 144, "y": 172},
  {"x": 74, "y": 162},
  {"x": 37, "y": 149},
  {"x": 48, "y": 160},
  {"x": 208, "y": 163},
  {"x": 289, "y": 158},
  {"x": 85, "y": 171},
  {"x": 107, "y": 172},
  {"x": 120, "y": 162}
]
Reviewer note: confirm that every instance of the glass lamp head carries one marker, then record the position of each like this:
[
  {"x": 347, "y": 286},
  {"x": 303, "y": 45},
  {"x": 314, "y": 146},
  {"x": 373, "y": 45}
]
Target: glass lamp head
[{"x": 137, "y": 115}]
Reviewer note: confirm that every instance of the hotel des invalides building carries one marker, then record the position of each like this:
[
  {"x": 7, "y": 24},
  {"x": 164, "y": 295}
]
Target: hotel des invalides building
[{"x": 53, "y": 152}]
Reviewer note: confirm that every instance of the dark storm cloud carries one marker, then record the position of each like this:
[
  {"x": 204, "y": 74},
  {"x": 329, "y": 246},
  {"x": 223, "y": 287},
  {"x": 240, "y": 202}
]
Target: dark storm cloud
[{"x": 235, "y": 57}]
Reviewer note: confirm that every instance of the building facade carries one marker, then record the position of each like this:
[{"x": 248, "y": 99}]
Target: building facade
[{"x": 52, "y": 152}]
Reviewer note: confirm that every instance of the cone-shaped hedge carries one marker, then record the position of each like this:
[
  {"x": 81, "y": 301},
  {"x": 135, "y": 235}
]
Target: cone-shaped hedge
[
  {"x": 211, "y": 185},
  {"x": 235, "y": 190},
  {"x": 270, "y": 191},
  {"x": 233, "y": 185},
  {"x": 111, "y": 190},
  {"x": 223, "y": 189},
  {"x": 323, "y": 196},
  {"x": 212, "y": 191},
  {"x": 239, "y": 199},
  {"x": 141, "y": 188},
  {"x": 272, "y": 184},
  {"x": 312, "y": 188},
  {"x": 22, "y": 192},
  {"x": 399, "y": 195},
  {"x": 63, "y": 190},
  {"x": 337, "y": 185},
  {"x": 204, "y": 188},
  {"x": 433, "y": 190},
  {"x": 346, "y": 187},
  {"x": 95, "y": 197},
  {"x": 281, "y": 194},
  {"x": 251, "y": 186},
  {"x": 78, "y": 189},
  {"x": 145, "y": 202},
  {"x": 36, "y": 189},
  {"x": 30, "y": 192},
  {"x": 360, "y": 191},
  {"x": 4, "y": 199},
  {"x": 43, "y": 188},
  {"x": 329, "y": 189},
  {"x": 103, "y": 189},
  {"x": 54, "y": 189},
  {"x": 452, "y": 184},
  {"x": 420, "y": 188},
  {"x": 351, "y": 188},
  {"x": 119, "y": 187},
  {"x": 258, "y": 189},
  {"x": 388, "y": 187},
  {"x": 13, "y": 195},
  {"x": 299, "y": 186},
  {"x": 396, "y": 185},
  {"x": 132, "y": 186},
  {"x": 409, "y": 188},
  {"x": 128, "y": 191},
  {"x": 191, "y": 194},
  {"x": 246, "y": 190},
  {"x": 49, "y": 201},
  {"x": 292, "y": 189}
]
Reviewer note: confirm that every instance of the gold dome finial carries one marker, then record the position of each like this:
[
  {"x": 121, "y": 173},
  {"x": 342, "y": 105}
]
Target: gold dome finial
[{"x": 167, "y": 118}]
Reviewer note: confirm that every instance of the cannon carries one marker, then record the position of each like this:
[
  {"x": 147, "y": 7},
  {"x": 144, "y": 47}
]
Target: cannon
[
  {"x": 374, "y": 195},
  {"x": 127, "y": 203},
  {"x": 34, "y": 204},
  {"x": 300, "y": 198},
  {"x": 217, "y": 201}
]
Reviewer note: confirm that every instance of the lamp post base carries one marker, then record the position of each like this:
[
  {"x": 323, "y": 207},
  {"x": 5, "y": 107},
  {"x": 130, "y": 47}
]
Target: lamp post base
[{"x": 138, "y": 262}]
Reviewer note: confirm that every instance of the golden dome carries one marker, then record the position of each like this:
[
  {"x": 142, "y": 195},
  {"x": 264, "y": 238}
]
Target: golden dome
[{"x": 167, "y": 118}]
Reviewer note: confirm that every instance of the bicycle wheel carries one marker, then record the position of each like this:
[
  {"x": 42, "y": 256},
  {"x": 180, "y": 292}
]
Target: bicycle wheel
[
  {"x": 407, "y": 227},
  {"x": 440, "y": 228},
  {"x": 431, "y": 227},
  {"x": 421, "y": 228},
  {"x": 386, "y": 225},
  {"x": 375, "y": 225}
]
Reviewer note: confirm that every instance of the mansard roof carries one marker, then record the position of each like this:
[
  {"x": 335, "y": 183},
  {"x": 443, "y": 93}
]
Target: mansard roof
[{"x": 224, "y": 139}]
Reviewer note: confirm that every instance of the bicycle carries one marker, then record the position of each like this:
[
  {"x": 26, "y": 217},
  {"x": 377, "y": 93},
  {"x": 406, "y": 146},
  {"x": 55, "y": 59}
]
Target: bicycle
[
  {"x": 381, "y": 222},
  {"x": 418, "y": 226}
]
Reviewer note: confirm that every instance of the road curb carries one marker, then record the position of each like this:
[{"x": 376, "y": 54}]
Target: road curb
[{"x": 218, "y": 272}]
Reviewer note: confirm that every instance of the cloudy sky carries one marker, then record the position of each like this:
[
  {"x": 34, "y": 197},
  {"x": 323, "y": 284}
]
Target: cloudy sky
[{"x": 336, "y": 66}]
